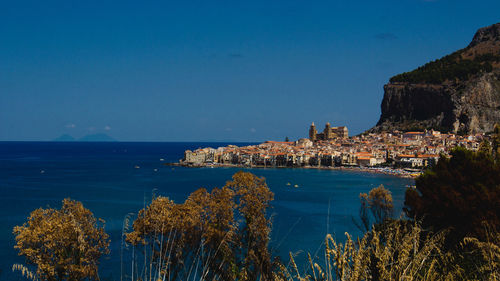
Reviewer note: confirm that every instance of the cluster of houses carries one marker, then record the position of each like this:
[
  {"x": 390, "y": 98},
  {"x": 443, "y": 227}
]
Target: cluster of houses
[{"x": 397, "y": 149}]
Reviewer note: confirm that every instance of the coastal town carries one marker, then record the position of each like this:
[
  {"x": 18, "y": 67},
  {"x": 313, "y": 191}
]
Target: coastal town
[{"x": 401, "y": 153}]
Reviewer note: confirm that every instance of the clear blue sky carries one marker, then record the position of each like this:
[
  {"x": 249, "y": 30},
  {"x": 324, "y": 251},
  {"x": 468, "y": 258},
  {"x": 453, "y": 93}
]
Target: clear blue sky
[{"x": 214, "y": 70}]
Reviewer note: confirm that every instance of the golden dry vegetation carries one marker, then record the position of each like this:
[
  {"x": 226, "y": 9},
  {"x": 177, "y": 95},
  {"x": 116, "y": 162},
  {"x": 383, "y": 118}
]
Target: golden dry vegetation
[
  {"x": 63, "y": 244},
  {"x": 221, "y": 235}
]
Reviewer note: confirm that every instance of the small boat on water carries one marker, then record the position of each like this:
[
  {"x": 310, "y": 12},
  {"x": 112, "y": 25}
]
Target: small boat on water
[
  {"x": 288, "y": 184},
  {"x": 161, "y": 159},
  {"x": 296, "y": 186},
  {"x": 413, "y": 170},
  {"x": 137, "y": 167}
]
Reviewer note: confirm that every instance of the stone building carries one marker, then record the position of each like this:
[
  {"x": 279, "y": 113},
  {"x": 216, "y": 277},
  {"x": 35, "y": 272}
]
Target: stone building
[{"x": 329, "y": 133}]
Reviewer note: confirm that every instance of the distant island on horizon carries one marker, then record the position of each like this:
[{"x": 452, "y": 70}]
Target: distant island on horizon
[{"x": 458, "y": 94}]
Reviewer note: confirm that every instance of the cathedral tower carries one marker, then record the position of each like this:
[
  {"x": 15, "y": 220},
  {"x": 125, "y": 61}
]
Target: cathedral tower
[
  {"x": 328, "y": 131},
  {"x": 312, "y": 132}
]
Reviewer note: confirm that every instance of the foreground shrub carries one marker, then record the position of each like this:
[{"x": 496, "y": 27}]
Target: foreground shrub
[
  {"x": 378, "y": 203},
  {"x": 398, "y": 252},
  {"x": 63, "y": 244},
  {"x": 222, "y": 235},
  {"x": 460, "y": 192},
  {"x": 480, "y": 260}
]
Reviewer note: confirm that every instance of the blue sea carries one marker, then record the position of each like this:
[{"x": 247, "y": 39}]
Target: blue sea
[{"x": 113, "y": 179}]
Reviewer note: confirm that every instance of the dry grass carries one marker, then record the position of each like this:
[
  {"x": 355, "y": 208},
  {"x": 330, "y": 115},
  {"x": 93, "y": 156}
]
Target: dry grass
[
  {"x": 484, "y": 256},
  {"x": 395, "y": 253},
  {"x": 26, "y": 273}
]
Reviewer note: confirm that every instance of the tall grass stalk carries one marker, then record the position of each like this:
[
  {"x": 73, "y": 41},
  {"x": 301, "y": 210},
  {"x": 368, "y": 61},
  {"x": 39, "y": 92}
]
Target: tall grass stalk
[
  {"x": 25, "y": 272},
  {"x": 398, "y": 252}
]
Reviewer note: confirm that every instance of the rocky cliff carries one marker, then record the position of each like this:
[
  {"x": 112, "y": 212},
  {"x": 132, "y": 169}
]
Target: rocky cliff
[{"x": 458, "y": 93}]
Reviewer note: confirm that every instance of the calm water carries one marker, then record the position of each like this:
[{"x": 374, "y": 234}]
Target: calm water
[{"x": 103, "y": 176}]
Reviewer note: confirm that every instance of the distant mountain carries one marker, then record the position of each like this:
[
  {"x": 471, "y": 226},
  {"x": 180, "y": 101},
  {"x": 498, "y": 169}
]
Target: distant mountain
[
  {"x": 96, "y": 137},
  {"x": 458, "y": 93},
  {"x": 64, "y": 137}
]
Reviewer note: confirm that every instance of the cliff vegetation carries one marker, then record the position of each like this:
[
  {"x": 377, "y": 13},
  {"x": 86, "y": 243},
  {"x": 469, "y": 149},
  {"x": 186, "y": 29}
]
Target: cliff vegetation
[
  {"x": 452, "y": 67},
  {"x": 459, "y": 93}
]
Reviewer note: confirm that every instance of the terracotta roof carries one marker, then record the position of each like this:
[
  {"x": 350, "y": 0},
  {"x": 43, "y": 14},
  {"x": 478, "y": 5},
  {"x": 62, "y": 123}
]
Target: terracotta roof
[
  {"x": 414, "y": 133},
  {"x": 427, "y": 155},
  {"x": 364, "y": 158},
  {"x": 406, "y": 156}
]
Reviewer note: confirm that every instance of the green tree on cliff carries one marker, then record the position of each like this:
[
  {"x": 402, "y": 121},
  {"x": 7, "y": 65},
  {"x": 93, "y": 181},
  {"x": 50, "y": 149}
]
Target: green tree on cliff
[
  {"x": 485, "y": 148},
  {"x": 496, "y": 141}
]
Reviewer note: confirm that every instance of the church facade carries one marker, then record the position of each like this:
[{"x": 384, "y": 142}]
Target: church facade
[{"x": 329, "y": 133}]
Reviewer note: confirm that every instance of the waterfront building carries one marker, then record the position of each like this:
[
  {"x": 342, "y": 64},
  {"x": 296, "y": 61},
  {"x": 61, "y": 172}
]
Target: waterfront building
[{"x": 331, "y": 148}]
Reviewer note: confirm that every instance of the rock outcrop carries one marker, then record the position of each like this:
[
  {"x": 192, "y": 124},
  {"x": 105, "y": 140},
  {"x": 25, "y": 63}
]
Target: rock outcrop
[{"x": 458, "y": 93}]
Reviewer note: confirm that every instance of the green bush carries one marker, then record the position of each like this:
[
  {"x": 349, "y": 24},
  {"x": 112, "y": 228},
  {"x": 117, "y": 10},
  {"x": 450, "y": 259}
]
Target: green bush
[
  {"x": 449, "y": 67},
  {"x": 460, "y": 192}
]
